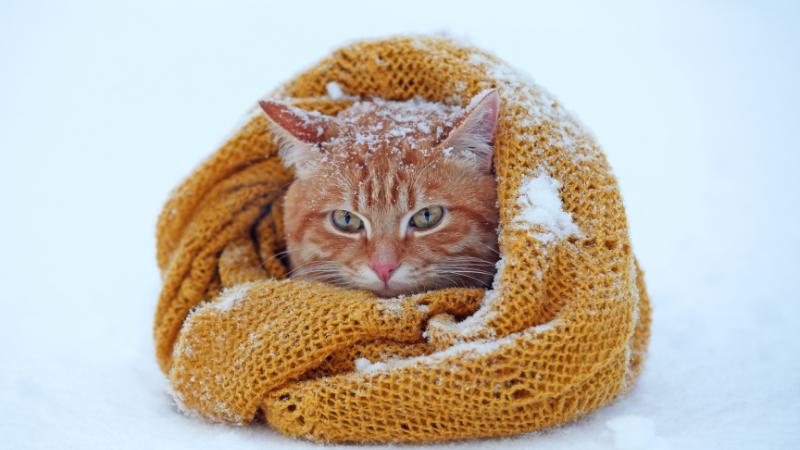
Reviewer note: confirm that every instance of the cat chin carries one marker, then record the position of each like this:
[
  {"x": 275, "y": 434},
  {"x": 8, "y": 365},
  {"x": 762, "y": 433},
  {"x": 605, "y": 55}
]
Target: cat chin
[
  {"x": 394, "y": 288},
  {"x": 390, "y": 290}
]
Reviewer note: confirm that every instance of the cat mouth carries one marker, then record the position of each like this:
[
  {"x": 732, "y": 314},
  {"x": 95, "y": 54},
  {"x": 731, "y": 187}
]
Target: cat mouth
[
  {"x": 388, "y": 289},
  {"x": 391, "y": 288}
]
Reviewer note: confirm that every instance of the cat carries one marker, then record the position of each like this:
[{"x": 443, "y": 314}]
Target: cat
[{"x": 391, "y": 197}]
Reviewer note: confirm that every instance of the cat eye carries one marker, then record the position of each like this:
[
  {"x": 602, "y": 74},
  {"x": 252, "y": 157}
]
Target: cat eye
[
  {"x": 346, "y": 221},
  {"x": 427, "y": 217}
]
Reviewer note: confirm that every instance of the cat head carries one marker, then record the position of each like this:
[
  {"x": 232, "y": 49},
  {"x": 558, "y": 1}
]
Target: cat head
[{"x": 391, "y": 197}]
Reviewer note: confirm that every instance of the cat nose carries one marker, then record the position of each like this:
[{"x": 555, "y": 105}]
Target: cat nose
[{"x": 384, "y": 270}]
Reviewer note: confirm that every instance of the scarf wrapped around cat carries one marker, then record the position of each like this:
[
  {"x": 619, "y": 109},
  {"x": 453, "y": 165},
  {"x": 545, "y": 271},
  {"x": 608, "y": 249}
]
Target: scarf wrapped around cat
[{"x": 562, "y": 332}]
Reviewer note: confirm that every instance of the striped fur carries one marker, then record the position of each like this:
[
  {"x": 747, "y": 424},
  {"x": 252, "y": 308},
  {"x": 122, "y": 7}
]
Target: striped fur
[{"x": 384, "y": 161}]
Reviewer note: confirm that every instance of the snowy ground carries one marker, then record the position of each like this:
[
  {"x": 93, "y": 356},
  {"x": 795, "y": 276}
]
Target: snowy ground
[{"x": 103, "y": 109}]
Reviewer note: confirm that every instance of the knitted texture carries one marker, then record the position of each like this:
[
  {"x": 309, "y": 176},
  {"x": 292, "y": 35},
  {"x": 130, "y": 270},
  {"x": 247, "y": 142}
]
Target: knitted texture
[{"x": 562, "y": 332}]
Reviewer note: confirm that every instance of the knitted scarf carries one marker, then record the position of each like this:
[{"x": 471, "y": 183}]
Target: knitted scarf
[{"x": 562, "y": 332}]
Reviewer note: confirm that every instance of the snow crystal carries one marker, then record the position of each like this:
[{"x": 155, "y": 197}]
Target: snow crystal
[
  {"x": 463, "y": 351},
  {"x": 545, "y": 327},
  {"x": 365, "y": 365},
  {"x": 541, "y": 205},
  {"x": 362, "y": 364},
  {"x": 230, "y": 296},
  {"x": 334, "y": 90},
  {"x": 474, "y": 324}
]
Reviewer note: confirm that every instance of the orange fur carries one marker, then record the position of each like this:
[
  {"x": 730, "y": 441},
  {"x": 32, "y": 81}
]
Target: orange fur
[{"x": 384, "y": 161}]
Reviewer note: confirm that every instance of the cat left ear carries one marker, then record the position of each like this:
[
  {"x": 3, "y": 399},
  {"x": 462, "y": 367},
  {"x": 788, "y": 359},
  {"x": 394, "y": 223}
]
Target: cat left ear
[
  {"x": 473, "y": 136},
  {"x": 302, "y": 131}
]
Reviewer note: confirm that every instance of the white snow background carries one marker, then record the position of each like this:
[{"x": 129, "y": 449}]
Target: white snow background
[{"x": 106, "y": 106}]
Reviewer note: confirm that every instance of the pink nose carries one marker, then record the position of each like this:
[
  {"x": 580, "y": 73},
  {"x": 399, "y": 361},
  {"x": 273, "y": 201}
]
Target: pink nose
[{"x": 384, "y": 270}]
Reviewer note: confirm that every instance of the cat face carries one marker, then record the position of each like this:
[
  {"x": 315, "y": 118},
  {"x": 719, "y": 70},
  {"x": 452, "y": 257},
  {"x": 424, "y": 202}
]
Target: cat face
[{"x": 391, "y": 197}]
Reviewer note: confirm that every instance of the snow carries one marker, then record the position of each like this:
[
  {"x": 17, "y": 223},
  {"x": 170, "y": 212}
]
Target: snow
[
  {"x": 694, "y": 103},
  {"x": 229, "y": 297},
  {"x": 363, "y": 364},
  {"x": 476, "y": 324},
  {"x": 633, "y": 432},
  {"x": 463, "y": 351},
  {"x": 334, "y": 90},
  {"x": 398, "y": 118},
  {"x": 540, "y": 204}
]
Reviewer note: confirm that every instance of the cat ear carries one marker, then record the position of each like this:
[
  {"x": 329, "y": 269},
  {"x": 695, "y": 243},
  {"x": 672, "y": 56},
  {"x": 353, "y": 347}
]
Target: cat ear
[
  {"x": 302, "y": 132},
  {"x": 473, "y": 135}
]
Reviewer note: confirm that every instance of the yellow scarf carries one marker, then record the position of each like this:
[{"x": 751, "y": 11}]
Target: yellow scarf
[{"x": 563, "y": 331}]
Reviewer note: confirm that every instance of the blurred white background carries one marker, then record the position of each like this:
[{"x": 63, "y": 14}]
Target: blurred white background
[{"x": 105, "y": 107}]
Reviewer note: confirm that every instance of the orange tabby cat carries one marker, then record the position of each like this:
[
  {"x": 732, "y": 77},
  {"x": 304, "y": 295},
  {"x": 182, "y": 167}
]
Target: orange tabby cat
[{"x": 391, "y": 197}]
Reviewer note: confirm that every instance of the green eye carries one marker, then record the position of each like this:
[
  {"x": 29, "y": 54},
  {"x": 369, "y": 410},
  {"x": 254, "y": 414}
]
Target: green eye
[
  {"x": 346, "y": 221},
  {"x": 427, "y": 217}
]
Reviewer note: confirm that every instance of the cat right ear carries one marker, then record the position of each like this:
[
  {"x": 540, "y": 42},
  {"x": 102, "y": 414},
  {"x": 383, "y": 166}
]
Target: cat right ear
[{"x": 302, "y": 132}]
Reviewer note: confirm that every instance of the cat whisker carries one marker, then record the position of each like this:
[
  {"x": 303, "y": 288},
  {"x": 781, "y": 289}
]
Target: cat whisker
[
  {"x": 468, "y": 266},
  {"x": 450, "y": 281},
  {"x": 456, "y": 281},
  {"x": 276, "y": 255},
  {"x": 492, "y": 249},
  {"x": 310, "y": 266},
  {"x": 324, "y": 271},
  {"x": 467, "y": 270},
  {"x": 470, "y": 277},
  {"x": 469, "y": 258},
  {"x": 337, "y": 279},
  {"x": 414, "y": 184}
]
